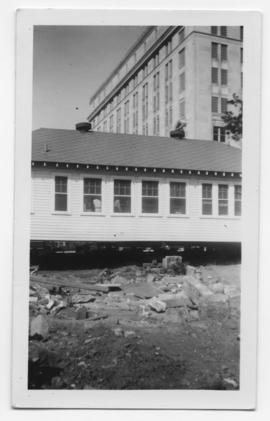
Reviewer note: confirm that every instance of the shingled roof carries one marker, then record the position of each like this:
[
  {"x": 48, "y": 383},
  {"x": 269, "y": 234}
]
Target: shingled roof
[{"x": 98, "y": 148}]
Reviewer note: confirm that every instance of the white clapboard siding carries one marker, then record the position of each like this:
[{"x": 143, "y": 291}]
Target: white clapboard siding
[{"x": 76, "y": 226}]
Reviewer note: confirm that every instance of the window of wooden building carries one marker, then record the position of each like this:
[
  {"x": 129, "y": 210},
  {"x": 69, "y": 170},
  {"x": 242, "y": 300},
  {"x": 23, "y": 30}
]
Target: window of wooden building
[
  {"x": 223, "y": 199},
  {"x": 178, "y": 198},
  {"x": 237, "y": 200},
  {"x": 122, "y": 196},
  {"x": 92, "y": 199},
  {"x": 207, "y": 199},
  {"x": 61, "y": 193},
  {"x": 149, "y": 196}
]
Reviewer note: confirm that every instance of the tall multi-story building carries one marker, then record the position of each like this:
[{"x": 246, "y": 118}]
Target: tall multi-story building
[{"x": 173, "y": 73}]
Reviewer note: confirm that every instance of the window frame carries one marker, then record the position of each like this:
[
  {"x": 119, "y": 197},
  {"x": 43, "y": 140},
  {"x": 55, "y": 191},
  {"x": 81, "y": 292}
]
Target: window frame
[
  {"x": 153, "y": 214},
  {"x": 60, "y": 212},
  {"x": 237, "y": 200},
  {"x": 209, "y": 215},
  {"x": 132, "y": 196},
  {"x": 220, "y": 184},
  {"x": 181, "y": 181},
  {"x": 94, "y": 177}
]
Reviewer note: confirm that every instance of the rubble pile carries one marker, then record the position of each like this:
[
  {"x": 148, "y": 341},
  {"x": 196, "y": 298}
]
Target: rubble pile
[{"x": 122, "y": 300}]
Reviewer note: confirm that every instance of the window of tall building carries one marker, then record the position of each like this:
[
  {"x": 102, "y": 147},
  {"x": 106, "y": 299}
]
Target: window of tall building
[
  {"x": 207, "y": 199},
  {"x": 237, "y": 200},
  {"x": 181, "y": 35},
  {"x": 214, "y": 30},
  {"x": 170, "y": 117},
  {"x": 214, "y": 50},
  {"x": 214, "y": 75},
  {"x": 182, "y": 82},
  {"x": 149, "y": 196},
  {"x": 241, "y": 33},
  {"x": 181, "y": 58},
  {"x": 145, "y": 101},
  {"x": 166, "y": 71},
  {"x": 170, "y": 91},
  {"x": 156, "y": 59},
  {"x": 118, "y": 120},
  {"x": 219, "y": 134},
  {"x": 177, "y": 198},
  {"x": 241, "y": 55},
  {"x": 224, "y": 49},
  {"x": 223, "y": 31},
  {"x": 166, "y": 118},
  {"x": 168, "y": 47},
  {"x": 223, "y": 199},
  {"x": 157, "y": 126},
  {"x": 111, "y": 123},
  {"x": 170, "y": 69},
  {"x": 105, "y": 126},
  {"x": 224, "y": 76},
  {"x": 182, "y": 111},
  {"x": 224, "y": 105},
  {"x": 146, "y": 129},
  {"x": 126, "y": 117},
  {"x": 241, "y": 78},
  {"x": 214, "y": 104},
  {"x": 154, "y": 126},
  {"x": 166, "y": 94}
]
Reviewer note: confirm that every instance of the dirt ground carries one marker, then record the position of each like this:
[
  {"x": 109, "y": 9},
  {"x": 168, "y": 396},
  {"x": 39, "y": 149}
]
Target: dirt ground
[{"x": 119, "y": 340}]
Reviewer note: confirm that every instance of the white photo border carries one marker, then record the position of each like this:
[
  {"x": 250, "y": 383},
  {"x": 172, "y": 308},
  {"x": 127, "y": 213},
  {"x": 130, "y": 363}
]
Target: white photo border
[{"x": 245, "y": 397}]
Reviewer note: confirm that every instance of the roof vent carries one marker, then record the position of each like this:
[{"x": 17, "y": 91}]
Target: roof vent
[
  {"x": 83, "y": 127},
  {"x": 178, "y": 132}
]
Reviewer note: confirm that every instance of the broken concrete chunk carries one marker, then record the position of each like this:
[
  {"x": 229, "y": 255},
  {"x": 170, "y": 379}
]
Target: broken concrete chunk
[
  {"x": 175, "y": 300},
  {"x": 172, "y": 280},
  {"x": 129, "y": 333},
  {"x": 168, "y": 262},
  {"x": 217, "y": 288},
  {"x": 118, "y": 331},
  {"x": 195, "y": 289},
  {"x": 39, "y": 327},
  {"x": 118, "y": 280},
  {"x": 157, "y": 305},
  {"x": 150, "y": 278},
  {"x": 82, "y": 298},
  {"x": 143, "y": 290}
]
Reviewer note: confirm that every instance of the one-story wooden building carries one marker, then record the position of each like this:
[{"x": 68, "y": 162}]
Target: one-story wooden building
[{"x": 116, "y": 188}]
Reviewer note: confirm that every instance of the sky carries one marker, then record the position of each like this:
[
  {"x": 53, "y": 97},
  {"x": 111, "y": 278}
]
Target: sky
[{"x": 69, "y": 64}]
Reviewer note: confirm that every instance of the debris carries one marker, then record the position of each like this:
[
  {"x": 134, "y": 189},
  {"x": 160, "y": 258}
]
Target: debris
[
  {"x": 56, "y": 383},
  {"x": 129, "y": 333},
  {"x": 157, "y": 305},
  {"x": 59, "y": 307},
  {"x": 175, "y": 300},
  {"x": 150, "y": 278},
  {"x": 143, "y": 290},
  {"x": 215, "y": 306},
  {"x": 168, "y": 262},
  {"x": 118, "y": 280},
  {"x": 118, "y": 331},
  {"x": 39, "y": 328},
  {"x": 194, "y": 289},
  {"x": 33, "y": 269},
  {"x": 217, "y": 288},
  {"x": 172, "y": 279},
  {"x": 81, "y": 313},
  {"x": 231, "y": 382},
  {"x": 71, "y": 284},
  {"x": 33, "y": 299},
  {"x": 82, "y": 298}
]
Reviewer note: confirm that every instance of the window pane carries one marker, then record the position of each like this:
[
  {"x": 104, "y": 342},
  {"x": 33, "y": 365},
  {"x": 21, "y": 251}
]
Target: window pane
[
  {"x": 214, "y": 49},
  {"x": 122, "y": 204},
  {"x": 223, "y": 52},
  {"x": 223, "y": 191},
  {"x": 178, "y": 206},
  {"x": 150, "y": 205},
  {"x": 207, "y": 191},
  {"x": 181, "y": 58},
  {"x": 207, "y": 207},
  {"x": 60, "y": 202},
  {"x": 178, "y": 189},
  {"x": 214, "y": 30},
  {"x": 92, "y": 203},
  {"x": 92, "y": 186},
  {"x": 223, "y": 105},
  {"x": 122, "y": 187},
  {"x": 61, "y": 184},
  {"x": 238, "y": 192},
  {"x": 224, "y": 77},
  {"x": 214, "y": 75},
  {"x": 223, "y": 31},
  {"x": 214, "y": 104},
  {"x": 150, "y": 188},
  {"x": 223, "y": 207}
]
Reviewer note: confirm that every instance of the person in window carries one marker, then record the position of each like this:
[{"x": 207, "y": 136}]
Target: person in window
[{"x": 97, "y": 205}]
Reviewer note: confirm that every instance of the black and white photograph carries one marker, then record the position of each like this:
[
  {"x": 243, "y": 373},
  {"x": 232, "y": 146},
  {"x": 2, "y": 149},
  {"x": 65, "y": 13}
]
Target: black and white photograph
[{"x": 135, "y": 275}]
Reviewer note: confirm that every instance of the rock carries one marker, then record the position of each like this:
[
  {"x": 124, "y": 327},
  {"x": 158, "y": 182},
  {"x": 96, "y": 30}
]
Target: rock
[
  {"x": 150, "y": 278},
  {"x": 42, "y": 292},
  {"x": 217, "y": 288},
  {"x": 194, "y": 289},
  {"x": 118, "y": 331},
  {"x": 169, "y": 261},
  {"x": 56, "y": 383},
  {"x": 193, "y": 315},
  {"x": 82, "y": 298},
  {"x": 59, "y": 307},
  {"x": 39, "y": 327},
  {"x": 143, "y": 290},
  {"x": 129, "y": 333},
  {"x": 175, "y": 300},
  {"x": 190, "y": 270},
  {"x": 51, "y": 302},
  {"x": 157, "y": 305},
  {"x": 81, "y": 313},
  {"x": 120, "y": 280},
  {"x": 216, "y": 307}
]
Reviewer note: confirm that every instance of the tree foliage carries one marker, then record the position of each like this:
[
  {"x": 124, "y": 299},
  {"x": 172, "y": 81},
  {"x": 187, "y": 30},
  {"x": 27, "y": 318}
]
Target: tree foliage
[{"x": 233, "y": 119}]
